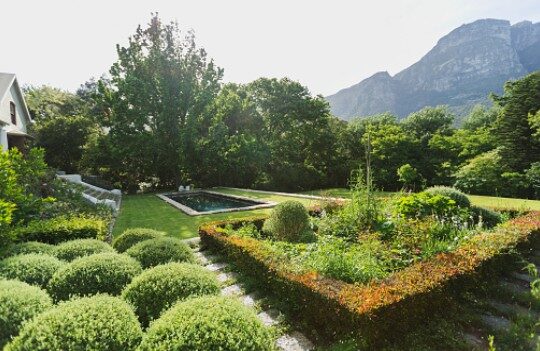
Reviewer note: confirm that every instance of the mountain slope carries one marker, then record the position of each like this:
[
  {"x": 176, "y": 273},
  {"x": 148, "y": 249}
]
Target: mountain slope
[{"x": 460, "y": 71}]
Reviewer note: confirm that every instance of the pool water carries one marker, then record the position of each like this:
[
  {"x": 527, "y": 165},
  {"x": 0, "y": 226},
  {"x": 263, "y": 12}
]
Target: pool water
[{"x": 204, "y": 202}]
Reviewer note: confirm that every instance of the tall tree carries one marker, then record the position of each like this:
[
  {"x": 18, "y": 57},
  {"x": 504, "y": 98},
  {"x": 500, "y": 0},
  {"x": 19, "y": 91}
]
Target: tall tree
[
  {"x": 514, "y": 134},
  {"x": 158, "y": 92}
]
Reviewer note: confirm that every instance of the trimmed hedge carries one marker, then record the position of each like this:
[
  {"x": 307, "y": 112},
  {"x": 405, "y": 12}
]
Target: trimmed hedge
[
  {"x": 89, "y": 275},
  {"x": 459, "y": 197},
  {"x": 26, "y": 248},
  {"x": 19, "y": 302},
  {"x": 34, "y": 269},
  {"x": 133, "y": 236},
  {"x": 288, "y": 221},
  {"x": 490, "y": 217},
  {"x": 70, "y": 250},
  {"x": 378, "y": 310},
  {"x": 158, "y": 288},
  {"x": 59, "y": 229},
  {"x": 208, "y": 323},
  {"x": 158, "y": 251},
  {"x": 93, "y": 323}
]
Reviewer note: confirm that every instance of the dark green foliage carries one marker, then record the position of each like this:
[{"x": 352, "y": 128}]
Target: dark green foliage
[
  {"x": 92, "y": 323},
  {"x": 35, "y": 269},
  {"x": 89, "y": 275},
  {"x": 26, "y": 248},
  {"x": 289, "y": 221},
  {"x": 70, "y": 250},
  {"x": 481, "y": 175},
  {"x": 460, "y": 198},
  {"x": 208, "y": 323},
  {"x": 133, "y": 236},
  {"x": 61, "y": 229},
  {"x": 153, "y": 252},
  {"x": 521, "y": 98},
  {"x": 158, "y": 288},
  {"x": 488, "y": 217},
  {"x": 19, "y": 302}
]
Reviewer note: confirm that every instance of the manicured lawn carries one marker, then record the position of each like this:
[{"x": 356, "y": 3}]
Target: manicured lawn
[
  {"x": 149, "y": 211},
  {"x": 483, "y": 201}
]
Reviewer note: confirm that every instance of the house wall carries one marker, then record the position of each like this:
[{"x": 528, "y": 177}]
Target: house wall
[{"x": 5, "y": 115}]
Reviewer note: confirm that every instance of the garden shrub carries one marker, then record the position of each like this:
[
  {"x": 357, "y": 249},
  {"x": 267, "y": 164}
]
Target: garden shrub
[
  {"x": 424, "y": 204},
  {"x": 34, "y": 269},
  {"x": 19, "y": 302},
  {"x": 208, "y": 323},
  {"x": 70, "y": 250},
  {"x": 153, "y": 252},
  {"x": 92, "y": 323},
  {"x": 133, "y": 236},
  {"x": 489, "y": 217},
  {"x": 289, "y": 221},
  {"x": 61, "y": 229},
  {"x": 459, "y": 197},
  {"x": 99, "y": 273},
  {"x": 158, "y": 288},
  {"x": 27, "y": 248}
]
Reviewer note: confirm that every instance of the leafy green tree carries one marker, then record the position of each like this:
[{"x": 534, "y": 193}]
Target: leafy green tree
[
  {"x": 409, "y": 176},
  {"x": 482, "y": 174},
  {"x": 45, "y": 102},
  {"x": 534, "y": 121},
  {"x": 158, "y": 92},
  {"x": 533, "y": 178},
  {"x": 480, "y": 117},
  {"x": 514, "y": 134},
  {"x": 428, "y": 121},
  {"x": 63, "y": 138}
]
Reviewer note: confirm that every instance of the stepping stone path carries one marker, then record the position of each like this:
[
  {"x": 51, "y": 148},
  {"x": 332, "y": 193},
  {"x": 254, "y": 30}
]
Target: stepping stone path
[{"x": 294, "y": 341}]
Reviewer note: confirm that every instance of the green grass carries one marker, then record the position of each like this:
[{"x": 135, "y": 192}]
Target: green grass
[
  {"x": 478, "y": 200},
  {"x": 149, "y": 211}
]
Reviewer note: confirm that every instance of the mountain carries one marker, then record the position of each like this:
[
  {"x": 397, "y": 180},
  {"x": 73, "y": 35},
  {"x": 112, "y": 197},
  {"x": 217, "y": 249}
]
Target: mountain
[{"x": 461, "y": 70}]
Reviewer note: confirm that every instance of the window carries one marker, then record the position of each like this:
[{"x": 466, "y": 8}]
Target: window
[{"x": 13, "y": 112}]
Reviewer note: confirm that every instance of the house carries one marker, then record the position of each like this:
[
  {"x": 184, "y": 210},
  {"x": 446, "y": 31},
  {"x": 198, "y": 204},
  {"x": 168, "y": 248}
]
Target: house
[{"x": 14, "y": 115}]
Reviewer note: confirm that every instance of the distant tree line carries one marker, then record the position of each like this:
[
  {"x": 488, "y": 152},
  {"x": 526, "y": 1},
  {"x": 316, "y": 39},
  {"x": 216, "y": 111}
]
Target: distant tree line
[{"x": 163, "y": 117}]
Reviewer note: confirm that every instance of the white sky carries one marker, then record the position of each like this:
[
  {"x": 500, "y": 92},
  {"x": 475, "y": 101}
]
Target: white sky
[{"x": 326, "y": 45}]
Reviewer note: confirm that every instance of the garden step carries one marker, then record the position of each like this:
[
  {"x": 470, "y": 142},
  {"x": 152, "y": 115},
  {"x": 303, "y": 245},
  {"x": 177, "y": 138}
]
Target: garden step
[
  {"x": 214, "y": 267},
  {"x": 495, "y": 322},
  {"x": 223, "y": 277},
  {"x": 526, "y": 278},
  {"x": 511, "y": 310},
  {"x": 294, "y": 342},
  {"x": 269, "y": 317},
  {"x": 232, "y": 290},
  {"x": 193, "y": 242},
  {"x": 474, "y": 341},
  {"x": 515, "y": 288},
  {"x": 251, "y": 299}
]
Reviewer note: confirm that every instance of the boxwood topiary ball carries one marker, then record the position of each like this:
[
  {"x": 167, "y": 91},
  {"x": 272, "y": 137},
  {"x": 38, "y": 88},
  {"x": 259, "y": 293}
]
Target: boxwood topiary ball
[
  {"x": 34, "y": 269},
  {"x": 460, "y": 198},
  {"x": 26, "y": 248},
  {"x": 153, "y": 252},
  {"x": 289, "y": 221},
  {"x": 158, "y": 288},
  {"x": 208, "y": 323},
  {"x": 100, "y": 273},
  {"x": 93, "y": 323},
  {"x": 133, "y": 236},
  {"x": 19, "y": 302},
  {"x": 70, "y": 250}
]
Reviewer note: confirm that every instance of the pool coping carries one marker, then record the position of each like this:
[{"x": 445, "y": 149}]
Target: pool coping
[{"x": 191, "y": 212}]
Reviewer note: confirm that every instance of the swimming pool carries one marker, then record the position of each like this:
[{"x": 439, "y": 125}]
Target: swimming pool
[{"x": 207, "y": 202}]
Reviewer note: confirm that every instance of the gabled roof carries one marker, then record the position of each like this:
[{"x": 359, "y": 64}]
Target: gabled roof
[{"x": 6, "y": 81}]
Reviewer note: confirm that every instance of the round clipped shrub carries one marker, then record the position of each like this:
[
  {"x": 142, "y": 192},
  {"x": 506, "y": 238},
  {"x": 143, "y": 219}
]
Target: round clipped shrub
[
  {"x": 93, "y": 323},
  {"x": 19, "y": 302},
  {"x": 89, "y": 275},
  {"x": 158, "y": 288},
  {"x": 460, "y": 198},
  {"x": 208, "y": 323},
  {"x": 26, "y": 248},
  {"x": 153, "y": 252},
  {"x": 289, "y": 221},
  {"x": 34, "y": 269},
  {"x": 70, "y": 250},
  {"x": 133, "y": 236},
  {"x": 489, "y": 217}
]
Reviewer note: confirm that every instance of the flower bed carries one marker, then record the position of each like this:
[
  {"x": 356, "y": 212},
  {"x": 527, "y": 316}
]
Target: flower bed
[{"x": 378, "y": 310}]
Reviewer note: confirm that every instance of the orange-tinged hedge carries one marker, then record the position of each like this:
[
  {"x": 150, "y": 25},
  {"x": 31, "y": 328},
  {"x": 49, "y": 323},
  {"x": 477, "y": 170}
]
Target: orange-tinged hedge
[{"x": 380, "y": 309}]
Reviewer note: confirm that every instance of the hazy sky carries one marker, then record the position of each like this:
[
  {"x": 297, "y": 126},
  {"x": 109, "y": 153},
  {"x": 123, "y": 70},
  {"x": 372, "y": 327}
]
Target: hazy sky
[{"x": 326, "y": 45}]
